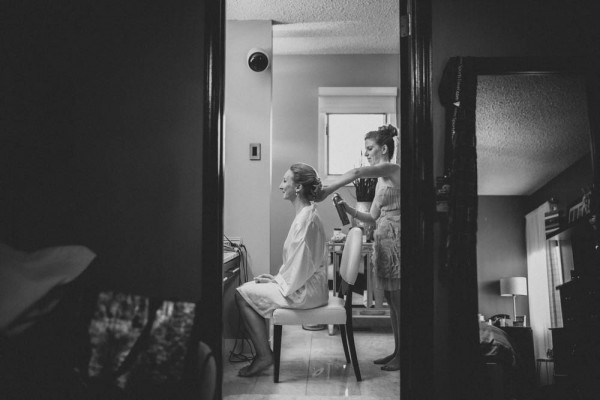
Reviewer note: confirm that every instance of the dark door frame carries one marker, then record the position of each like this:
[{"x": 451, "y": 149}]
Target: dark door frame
[
  {"x": 417, "y": 194},
  {"x": 417, "y": 297},
  {"x": 212, "y": 185}
]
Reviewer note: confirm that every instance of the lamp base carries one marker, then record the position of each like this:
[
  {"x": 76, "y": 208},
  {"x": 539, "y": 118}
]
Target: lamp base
[{"x": 520, "y": 320}]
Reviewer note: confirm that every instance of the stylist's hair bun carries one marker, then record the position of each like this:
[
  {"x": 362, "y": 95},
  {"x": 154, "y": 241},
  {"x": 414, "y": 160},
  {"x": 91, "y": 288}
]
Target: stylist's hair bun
[{"x": 389, "y": 129}]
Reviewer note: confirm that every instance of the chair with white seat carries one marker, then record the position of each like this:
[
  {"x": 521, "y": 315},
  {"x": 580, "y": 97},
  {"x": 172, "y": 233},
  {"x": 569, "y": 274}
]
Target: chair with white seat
[{"x": 338, "y": 310}]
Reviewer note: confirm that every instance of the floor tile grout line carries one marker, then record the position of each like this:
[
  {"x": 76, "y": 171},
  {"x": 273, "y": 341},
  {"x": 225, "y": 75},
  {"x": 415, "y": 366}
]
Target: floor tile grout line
[{"x": 310, "y": 345}]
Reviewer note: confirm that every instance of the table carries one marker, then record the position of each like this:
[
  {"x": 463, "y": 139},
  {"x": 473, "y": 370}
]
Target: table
[
  {"x": 522, "y": 339},
  {"x": 231, "y": 273},
  {"x": 371, "y": 310}
]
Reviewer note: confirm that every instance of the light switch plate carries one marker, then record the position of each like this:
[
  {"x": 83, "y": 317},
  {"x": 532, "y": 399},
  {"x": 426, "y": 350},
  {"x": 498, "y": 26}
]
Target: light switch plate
[{"x": 255, "y": 151}]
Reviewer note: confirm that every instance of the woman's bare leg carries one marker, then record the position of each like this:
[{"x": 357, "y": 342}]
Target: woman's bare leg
[
  {"x": 393, "y": 316},
  {"x": 393, "y": 298},
  {"x": 257, "y": 330}
]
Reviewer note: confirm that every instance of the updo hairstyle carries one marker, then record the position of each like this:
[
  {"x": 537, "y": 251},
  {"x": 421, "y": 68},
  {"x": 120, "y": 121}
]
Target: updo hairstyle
[
  {"x": 307, "y": 177},
  {"x": 384, "y": 136}
]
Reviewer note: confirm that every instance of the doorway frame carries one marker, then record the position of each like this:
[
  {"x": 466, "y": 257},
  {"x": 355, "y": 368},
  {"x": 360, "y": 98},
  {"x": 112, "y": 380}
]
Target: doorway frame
[
  {"x": 417, "y": 257},
  {"x": 416, "y": 145},
  {"x": 212, "y": 184}
]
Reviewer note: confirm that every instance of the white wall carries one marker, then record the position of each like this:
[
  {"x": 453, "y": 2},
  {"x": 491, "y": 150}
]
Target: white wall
[
  {"x": 247, "y": 120},
  {"x": 296, "y": 80},
  {"x": 287, "y": 92}
]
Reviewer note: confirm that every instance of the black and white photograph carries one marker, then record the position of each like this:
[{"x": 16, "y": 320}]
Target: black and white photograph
[{"x": 299, "y": 199}]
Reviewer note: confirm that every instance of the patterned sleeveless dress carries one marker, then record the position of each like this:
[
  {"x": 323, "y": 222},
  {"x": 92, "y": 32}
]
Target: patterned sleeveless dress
[{"x": 386, "y": 238}]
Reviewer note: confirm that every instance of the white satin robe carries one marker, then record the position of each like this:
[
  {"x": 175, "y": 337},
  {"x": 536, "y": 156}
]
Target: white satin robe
[{"x": 302, "y": 278}]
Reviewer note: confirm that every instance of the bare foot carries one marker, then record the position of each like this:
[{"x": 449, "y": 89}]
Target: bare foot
[
  {"x": 257, "y": 366},
  {"x": 384, "y": 360},
  {"x": 392, "y": 365}
]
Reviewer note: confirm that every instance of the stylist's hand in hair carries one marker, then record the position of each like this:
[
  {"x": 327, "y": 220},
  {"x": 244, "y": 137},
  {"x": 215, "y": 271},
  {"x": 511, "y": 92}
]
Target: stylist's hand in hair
[{"x": 322, "y": 194}]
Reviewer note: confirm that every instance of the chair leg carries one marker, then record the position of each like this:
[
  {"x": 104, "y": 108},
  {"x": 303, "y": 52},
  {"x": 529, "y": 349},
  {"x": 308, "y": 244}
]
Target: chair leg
[
  {"x": 277, "y": 329},
  {"x": 350, "y": 333},
  {"x": 344, "y": 342}
]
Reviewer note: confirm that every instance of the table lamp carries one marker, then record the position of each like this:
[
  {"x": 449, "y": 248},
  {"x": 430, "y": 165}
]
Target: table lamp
[{"x": 514, "y": 286}]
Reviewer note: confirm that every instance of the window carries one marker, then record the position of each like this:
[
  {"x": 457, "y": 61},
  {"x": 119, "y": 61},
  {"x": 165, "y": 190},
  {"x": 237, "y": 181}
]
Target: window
[
  {"x": 346, "y": 114},
  {"x": 346, "y": 140}
]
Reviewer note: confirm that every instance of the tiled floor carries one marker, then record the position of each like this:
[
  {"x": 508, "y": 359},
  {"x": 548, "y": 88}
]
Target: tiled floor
[{"x": 313, "y": 366}]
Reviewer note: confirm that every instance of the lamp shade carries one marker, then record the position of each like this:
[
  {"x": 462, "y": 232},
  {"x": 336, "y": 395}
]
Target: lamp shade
[{"x": 515, "y": 286}]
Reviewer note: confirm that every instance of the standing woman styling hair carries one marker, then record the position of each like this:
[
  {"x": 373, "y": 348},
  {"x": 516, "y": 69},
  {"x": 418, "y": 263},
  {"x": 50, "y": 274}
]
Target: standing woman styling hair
[
  {"x": 385, "y": 213},
  {"x": 302, "y": 278}
]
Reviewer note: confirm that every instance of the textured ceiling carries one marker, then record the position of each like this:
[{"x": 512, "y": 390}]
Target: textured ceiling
[
  {"x": 529, "y": 129},
  {"x": 325, "y": 26}
]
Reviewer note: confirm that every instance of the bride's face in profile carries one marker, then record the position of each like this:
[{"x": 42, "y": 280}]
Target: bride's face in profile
[{"x": 287, "y": 186}]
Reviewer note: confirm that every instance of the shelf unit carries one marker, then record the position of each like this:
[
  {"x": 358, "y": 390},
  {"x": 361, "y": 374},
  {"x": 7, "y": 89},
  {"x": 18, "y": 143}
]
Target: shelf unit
[
  {"x": 565, "y": 232},
  {"x": 576, "y": 344}
]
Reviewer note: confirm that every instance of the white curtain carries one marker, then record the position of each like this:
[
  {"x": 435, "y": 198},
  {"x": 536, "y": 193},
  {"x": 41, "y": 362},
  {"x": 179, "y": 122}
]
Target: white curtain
[
  {"x": 555, "y": 278},
  {"x": 537, "y": 280}
]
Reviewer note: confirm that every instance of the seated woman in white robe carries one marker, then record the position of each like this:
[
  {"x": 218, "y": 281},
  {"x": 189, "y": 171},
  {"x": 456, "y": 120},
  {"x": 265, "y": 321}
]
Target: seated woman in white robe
[{"x": 302, "y": 278}]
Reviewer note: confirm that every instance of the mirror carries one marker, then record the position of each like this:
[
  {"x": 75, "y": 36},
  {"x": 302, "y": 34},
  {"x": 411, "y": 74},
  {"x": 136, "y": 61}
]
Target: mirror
[
  {"x": 521, "y": 158},
  {"x": 532, "y": 134}
]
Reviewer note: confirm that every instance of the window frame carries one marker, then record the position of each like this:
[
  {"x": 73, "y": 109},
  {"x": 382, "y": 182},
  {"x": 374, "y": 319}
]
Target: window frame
[{"x": 351, "y": 100}]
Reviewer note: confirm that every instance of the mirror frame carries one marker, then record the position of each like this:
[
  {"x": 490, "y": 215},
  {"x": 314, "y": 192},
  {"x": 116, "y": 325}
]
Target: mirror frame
[{"x": 460, "y": 269}]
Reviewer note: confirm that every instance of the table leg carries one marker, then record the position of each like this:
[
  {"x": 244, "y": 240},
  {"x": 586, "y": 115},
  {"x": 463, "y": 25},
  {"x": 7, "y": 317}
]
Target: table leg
[
  {"x": 336, "y": 269},
  {"x": 367, "y": 272}
]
